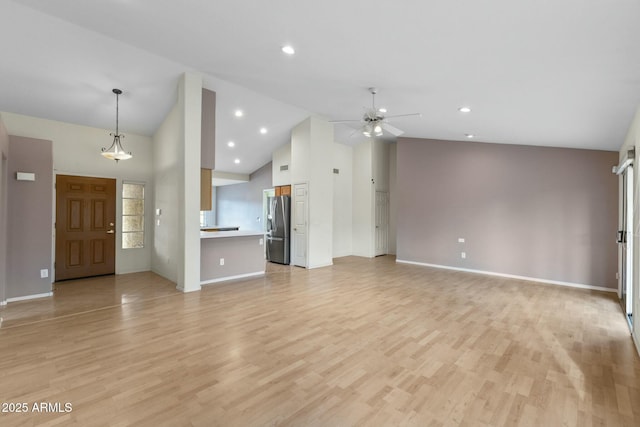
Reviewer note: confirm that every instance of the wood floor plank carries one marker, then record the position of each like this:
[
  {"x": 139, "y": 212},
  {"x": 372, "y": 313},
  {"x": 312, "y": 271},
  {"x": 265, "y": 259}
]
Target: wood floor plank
[{"x": 363, "y": 342}]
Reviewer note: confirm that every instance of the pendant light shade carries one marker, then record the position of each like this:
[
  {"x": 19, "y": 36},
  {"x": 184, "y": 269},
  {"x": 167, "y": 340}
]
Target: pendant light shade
[{"x": 115, "y": 151}]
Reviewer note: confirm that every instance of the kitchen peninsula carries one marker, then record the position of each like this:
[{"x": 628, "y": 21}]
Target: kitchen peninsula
[{"x": 231, "y": 255}]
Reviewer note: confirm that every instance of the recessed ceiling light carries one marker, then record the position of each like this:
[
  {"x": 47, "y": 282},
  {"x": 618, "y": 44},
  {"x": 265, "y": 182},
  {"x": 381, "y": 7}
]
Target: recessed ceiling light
[
  {"x": 469, "y": 135},
  {"x": 231, "y": 144},
  {"x": 464, "y": 109},
  {"x": 382, "y": 110},
  {"x": 288, "y": 49},
  {"x": 236, "y": 161},
  {"x": 239, "y": 113},
  {"x": 263, "y": 130}
]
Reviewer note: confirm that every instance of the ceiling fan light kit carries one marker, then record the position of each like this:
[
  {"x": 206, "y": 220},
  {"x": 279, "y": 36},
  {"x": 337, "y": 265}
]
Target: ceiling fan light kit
[
  {"x": 115, "y": 150},
  {"x": 374, "y": 122}
]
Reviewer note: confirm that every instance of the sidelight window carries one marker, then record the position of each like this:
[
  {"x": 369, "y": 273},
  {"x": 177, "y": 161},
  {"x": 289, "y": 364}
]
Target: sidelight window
[{"x": 132, "y": 215}]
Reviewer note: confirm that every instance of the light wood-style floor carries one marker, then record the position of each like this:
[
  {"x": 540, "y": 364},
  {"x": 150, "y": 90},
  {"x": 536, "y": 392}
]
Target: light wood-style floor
[{"x": 365, "y": 342}]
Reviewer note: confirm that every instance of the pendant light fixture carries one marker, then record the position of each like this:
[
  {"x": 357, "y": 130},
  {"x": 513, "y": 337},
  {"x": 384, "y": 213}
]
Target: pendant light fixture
[{"x": 115, "y": 151}]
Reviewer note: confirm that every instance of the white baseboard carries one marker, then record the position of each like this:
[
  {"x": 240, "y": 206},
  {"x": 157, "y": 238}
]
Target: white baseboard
[
  {"x": 27, "y": 297},
  {"x": 511, "y": 276},
  {"x": 3, "y": 303},
  {"x": 228, "y": 278},
  {"x": 143, "y": 270},
  {"x": 636, "y": 342},
  {"x": 329, "y": 264},
  {"x": 181, "y": 289}
]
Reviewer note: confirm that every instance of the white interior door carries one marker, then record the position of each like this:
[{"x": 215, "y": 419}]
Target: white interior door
[
  {"x": 627, "y": 244},
  {"x": 382, "y": 223},
  {"x": 300, "y": 205}
]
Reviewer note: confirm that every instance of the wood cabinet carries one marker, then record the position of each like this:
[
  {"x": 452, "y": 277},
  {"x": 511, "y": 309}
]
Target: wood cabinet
[
  {"x": 283, "y": 190},
  {"x": 206, "y": 202}
]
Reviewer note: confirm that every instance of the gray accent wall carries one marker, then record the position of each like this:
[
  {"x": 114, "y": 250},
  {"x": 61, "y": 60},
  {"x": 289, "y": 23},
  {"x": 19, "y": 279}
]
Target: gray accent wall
[
  {"x": 241, "y": 204},
  {"x": 4, "y": 211},
  {"x": 537, "y": 212},
  {"x": 30, "y": 215}
]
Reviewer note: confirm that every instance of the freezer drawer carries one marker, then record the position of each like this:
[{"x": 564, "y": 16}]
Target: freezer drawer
[{"x": 278, "y": 250}]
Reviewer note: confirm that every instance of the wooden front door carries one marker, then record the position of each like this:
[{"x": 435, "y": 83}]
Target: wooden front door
[{"x": 85, "y": 226}]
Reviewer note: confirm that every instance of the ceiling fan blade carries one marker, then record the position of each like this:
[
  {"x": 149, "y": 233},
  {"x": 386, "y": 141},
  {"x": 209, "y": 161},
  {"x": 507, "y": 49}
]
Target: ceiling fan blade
[
  {"x": 345, "y": 121},
  {"x": 403, "y": 115},
  {"x": 391, "y": 129}
]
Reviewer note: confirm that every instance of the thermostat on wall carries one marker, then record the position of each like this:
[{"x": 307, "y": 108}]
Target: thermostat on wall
[{"x": 25, "y": 176}]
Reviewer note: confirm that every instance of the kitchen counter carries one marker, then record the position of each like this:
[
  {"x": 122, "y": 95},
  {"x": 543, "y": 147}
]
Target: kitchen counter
[
  {"x": 219, "y": 228},
  {"x": 236, "y": 233}
]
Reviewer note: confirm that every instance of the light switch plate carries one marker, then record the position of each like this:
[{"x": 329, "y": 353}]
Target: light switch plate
[{"x": 25, "y": 176}]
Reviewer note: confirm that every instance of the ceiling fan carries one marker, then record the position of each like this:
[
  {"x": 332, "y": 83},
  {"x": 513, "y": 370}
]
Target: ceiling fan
[{"x": 374, "y": 122}]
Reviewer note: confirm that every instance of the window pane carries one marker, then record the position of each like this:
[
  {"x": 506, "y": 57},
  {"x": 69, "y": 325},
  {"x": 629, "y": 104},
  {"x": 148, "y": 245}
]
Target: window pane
[
  {"x": 132, "y": 240},
  {"x": 133, "y": 191},
  {"x": 132, "y": 207},
  {"x": 132, "y": 223}
]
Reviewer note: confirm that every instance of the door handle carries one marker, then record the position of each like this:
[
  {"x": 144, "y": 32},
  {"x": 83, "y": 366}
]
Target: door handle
[{"x": 110, "y": 232}]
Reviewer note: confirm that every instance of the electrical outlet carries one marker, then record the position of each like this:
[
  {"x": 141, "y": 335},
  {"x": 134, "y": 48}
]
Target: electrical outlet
[
  {"x": 463, "y": 255},
  {"x": 460, "y": 239},
  {"x": 221, "y": 261},
  {"x": 261, "y": 242},
  {"x": 44, "y": 273}
]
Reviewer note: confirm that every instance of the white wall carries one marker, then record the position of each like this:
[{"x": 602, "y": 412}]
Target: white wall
[
  {"x": 321, "y": 194},
  {"x": 342, "y": 201},
  {"x": 633, "y": 140},
  {"x": 311, "y": 162},
  {"x": 393, "y": 205},
  {"x": 176, "y": 167},
  {"x": 76, "y": 151},
  {"x": 300, "y": 149},
  {"x": 381, "y": 165},
  {"x": 281, "y": 157},
  {"x": 166, "y": 165},
  {"x": 190, "y": 108},
  {"x": 363, "y": 207}
]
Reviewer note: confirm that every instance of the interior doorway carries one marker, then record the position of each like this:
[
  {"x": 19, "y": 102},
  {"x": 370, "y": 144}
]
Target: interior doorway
[{"x": 85, "y": 227}]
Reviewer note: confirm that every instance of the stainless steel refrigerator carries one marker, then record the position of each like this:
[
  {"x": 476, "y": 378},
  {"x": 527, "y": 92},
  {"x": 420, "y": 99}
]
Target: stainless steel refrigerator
[{"x": 278, "y": 223}]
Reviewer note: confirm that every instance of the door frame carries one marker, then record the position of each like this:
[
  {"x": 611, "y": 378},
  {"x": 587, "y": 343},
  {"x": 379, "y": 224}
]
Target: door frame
[
  {"x": 375, "y": 222},
  {"x": 626, "y": 242},
  {"x": 118, "y": 219},
  {"x": 291, "y": 231}
]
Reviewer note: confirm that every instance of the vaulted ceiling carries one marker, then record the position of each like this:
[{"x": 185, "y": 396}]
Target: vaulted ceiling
[{"x": 533, "y": 72}]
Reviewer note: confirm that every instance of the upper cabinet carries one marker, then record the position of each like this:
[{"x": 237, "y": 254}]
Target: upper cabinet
[{"x": 208, "y": 142}]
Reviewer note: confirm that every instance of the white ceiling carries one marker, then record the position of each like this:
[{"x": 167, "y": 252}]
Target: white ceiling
[{"x": 535, "y": 72}]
